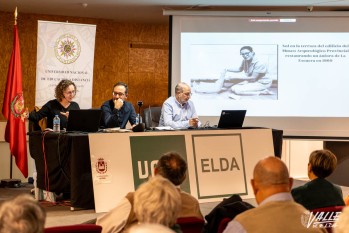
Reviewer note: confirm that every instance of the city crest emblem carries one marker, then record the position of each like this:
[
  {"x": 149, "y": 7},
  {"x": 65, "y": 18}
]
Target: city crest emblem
[
  {"x": 17, "y": 105},
  {"x": 67, "y": 49},
  {"x": 101, "y": 166}
]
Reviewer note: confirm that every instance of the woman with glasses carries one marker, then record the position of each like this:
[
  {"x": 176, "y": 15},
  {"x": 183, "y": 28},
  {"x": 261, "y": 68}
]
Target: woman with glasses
[
  {"x": 65, "y": 92},
  {"x": 116, "y": 112}
]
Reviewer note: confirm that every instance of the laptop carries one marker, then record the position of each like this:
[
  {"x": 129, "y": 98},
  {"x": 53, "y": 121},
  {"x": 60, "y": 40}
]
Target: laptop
[
  {"x": 84, "y": 120},
  {"x": 231, "y": 119}
]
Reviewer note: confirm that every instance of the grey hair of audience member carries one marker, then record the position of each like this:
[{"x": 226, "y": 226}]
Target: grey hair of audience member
[
  {"x": 342, "y": 224},
  {"x": 22, "y": 214},
  {"x": 157, "y": 201},
  {"x": 149, "y": 228},
  {"x": 173, "y": 167}
]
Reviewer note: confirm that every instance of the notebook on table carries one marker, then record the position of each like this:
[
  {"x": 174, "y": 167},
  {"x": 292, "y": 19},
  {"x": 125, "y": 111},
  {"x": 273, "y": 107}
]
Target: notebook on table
[
  {"x": 84, "y": 120},
  {"x": 231, "y": 119}
]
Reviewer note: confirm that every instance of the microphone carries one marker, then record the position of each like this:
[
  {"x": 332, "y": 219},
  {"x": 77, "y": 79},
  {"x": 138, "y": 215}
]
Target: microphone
[{"x": 139, "y": 128}]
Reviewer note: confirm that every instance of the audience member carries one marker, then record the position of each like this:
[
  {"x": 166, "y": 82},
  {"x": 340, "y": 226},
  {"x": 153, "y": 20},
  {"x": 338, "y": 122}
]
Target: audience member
[
  {"x": 158, "y": 201},
  {"x": 277, "y": 212},
  {"x": 65, "y": 92},
  {"x": 178, "y": 111},
  {"x": 319, "y": 192},
  {"x": 22, "y": 214},
  {"x": 116, "y": 112},
  {"x": 342, "y": 224},
  {"x": 170, "y": 166},
  {"x": 150, "y": 228}
]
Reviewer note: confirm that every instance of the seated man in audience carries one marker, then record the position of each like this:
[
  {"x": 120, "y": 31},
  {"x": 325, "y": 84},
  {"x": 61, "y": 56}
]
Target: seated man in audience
[
  {"x": 116, "y": 112},
  {"x": 178, "y": 111},
  {"x": 157, "y": 201},
  {"x": 319, "y": 192},
  {"x": 22, "y": 214},
  {"x": 170, "y": 166},
  {"x": 277, "y": 212}
]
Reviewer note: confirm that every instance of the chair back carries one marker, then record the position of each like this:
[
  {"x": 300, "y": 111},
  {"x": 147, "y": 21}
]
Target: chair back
[
  {"x": 331, "y": 210},
  {"x": 191, "y": 224},
  {"x": 78, "y": 228},
  {"x": 37, "y": 126},
  {"x": 151, "y": 117},
  {"x": 223, "y": 224}
]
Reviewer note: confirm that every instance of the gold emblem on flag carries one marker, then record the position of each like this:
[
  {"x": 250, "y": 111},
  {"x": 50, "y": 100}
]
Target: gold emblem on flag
[{"x": 17, "y": 105}]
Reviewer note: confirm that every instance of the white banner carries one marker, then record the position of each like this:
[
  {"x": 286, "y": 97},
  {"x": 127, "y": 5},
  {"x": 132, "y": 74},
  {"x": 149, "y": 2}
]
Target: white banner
[{"x": 65, "y": 51}]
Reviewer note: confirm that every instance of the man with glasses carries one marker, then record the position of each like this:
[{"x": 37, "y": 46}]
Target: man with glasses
[
  {"x": 253, "y": 76},
  {"x": 178, "y": 111},
  {"x": 116, "y": 112}
]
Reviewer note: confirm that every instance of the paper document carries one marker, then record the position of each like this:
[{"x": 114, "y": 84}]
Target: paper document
[{"x": 164, "y": 128}]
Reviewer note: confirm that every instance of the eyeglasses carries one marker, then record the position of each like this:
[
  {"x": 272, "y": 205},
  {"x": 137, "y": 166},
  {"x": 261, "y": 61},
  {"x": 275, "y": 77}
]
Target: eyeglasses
[
  {"x": 70, "y": 92},
  {"x": 245, "y": 54},
  {"x": 188, "y": 94},
  {"x": 118, "y": 93}
]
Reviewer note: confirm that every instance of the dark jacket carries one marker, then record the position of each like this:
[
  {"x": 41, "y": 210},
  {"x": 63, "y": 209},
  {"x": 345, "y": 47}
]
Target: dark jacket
[
  {"x": 318, "y": 193},
  {"x": 228, "y": 208},
  {"x": 112, "y": 117}
]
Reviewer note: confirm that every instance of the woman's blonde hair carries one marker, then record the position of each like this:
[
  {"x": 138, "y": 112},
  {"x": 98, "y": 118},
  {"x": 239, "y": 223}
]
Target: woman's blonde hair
[
  {"x": 22, "y": 214},
  {"x": 157, "y": 201}
]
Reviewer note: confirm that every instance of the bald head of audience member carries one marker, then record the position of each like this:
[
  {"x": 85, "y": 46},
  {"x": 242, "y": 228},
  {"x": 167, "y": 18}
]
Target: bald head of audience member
[
  {"x": 22, "y": 214},
  {"x": 270, "y": 176},
  {"x": 173, "y": 167},
  {"x": 157, "y": 201}
]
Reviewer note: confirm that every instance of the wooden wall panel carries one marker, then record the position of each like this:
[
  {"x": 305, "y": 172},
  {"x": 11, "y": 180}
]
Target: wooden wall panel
[{"x": 143, "y": 68}]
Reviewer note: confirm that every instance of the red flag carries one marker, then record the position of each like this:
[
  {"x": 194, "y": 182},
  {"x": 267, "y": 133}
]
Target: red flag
[{"x": 13, "y": 107}]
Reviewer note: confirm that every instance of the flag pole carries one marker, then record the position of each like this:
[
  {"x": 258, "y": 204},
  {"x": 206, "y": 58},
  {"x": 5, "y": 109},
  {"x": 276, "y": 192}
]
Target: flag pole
[
  {"x": 15, "y": 14},
  {"x": 11, "y": 183}
]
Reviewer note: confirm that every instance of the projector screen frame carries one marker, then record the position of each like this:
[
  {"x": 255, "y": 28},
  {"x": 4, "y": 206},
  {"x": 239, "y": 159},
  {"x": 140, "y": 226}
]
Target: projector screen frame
[{"x": 326, "y": 131}]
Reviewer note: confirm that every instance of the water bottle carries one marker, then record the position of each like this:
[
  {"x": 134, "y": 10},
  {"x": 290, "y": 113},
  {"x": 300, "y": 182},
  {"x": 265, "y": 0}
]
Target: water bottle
[
  {"x": 137, "y": 119},
  {"x": 56, "y": 124}
]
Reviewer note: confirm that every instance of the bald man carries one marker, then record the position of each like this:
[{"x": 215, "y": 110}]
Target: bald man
[
  {"x": 178, "y": 111},
  {"x": 277, "y": 212}
]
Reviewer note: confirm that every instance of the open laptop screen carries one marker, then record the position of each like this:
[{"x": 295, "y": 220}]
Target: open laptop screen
[
  {"x": 231, "y": 119},
  {"x": 84, "y": 120}
]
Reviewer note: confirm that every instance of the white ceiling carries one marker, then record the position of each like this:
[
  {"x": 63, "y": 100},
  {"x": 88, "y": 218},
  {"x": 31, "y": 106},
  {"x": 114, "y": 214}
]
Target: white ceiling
[{"x": 151, "y": 11}]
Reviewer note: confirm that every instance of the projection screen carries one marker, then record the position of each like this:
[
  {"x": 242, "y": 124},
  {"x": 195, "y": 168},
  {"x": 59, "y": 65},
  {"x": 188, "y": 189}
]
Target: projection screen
[{"x": 304, "y": 55}]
